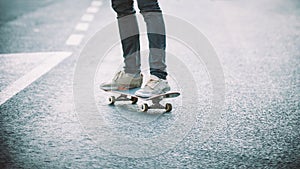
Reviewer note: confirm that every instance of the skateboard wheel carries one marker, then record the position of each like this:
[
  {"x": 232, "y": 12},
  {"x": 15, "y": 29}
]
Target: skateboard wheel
[
  {"x": 134, "y": 100},
  {"x": 111, "y": 100},
  {"x": 168, "y": 107},
  {"x": 144, "y": 107}
]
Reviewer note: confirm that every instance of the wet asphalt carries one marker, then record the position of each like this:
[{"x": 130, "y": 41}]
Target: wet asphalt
[{"x": 256, "y": 125}]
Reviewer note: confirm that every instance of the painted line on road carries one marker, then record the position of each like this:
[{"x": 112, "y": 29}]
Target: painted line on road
[
  {"x": 54, "y": 58},
  {"x": 87, "y": 17},
  {"x": 82, "y": 26},
  {"x": 92, "y": 9},
  {"x": 74, "y": 39},
  {"x": 96, "y": 3}
]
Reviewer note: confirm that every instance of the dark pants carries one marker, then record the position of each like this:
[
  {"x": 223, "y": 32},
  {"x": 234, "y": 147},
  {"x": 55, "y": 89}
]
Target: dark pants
[{"x": 129, "y": 33}]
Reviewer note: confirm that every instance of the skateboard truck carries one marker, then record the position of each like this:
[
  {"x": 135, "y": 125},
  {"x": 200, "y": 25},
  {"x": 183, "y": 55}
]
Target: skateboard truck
[
  {"x": 122, "y": 97},
  {"x": 156, "y": 105}
]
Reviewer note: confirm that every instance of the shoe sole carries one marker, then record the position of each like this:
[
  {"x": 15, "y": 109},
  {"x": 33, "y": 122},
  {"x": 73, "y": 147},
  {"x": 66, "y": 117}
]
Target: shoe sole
[
  {"x": 119, "y": 87},
  {"x": 150, "y": 95}
]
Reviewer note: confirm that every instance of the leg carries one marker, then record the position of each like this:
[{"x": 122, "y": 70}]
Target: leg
[
  {"x": 156, "y": 36},
  {"x": 129, "y": 33},
  {"x": 157, "y": 83},
  {"x": 127, "y": 23}
]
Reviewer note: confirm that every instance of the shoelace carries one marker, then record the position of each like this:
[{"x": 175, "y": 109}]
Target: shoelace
[
  {"x": 118, "y": 75},
  {"x": 152, "y": 83}
]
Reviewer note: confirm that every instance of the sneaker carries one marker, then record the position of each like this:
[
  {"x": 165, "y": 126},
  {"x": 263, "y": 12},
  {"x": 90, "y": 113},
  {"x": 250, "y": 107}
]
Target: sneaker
[
  {"x": 123, "y": 81},
  {"x": 154, "y": 86}
]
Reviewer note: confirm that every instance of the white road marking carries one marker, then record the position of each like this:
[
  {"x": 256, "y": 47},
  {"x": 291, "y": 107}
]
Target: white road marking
[
  {"x": 54, "y": 58},
  {"x": 82, "y": 26},
  {"x": 74, "y": 39},
  {"x": 92, "y": 9},
  {"x": 87, "y": 17},
  {"x": 96, "y": 3}
]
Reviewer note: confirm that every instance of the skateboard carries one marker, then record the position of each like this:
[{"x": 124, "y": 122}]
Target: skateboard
[{"x": 128, "y": 95}]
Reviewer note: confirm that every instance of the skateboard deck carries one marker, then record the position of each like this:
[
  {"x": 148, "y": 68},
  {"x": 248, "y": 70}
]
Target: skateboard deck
[{"x": 129, "y": 95}]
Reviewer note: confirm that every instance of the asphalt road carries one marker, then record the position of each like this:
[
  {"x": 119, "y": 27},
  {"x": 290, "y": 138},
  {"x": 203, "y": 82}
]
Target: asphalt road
[{"x": 53, "y": 122}]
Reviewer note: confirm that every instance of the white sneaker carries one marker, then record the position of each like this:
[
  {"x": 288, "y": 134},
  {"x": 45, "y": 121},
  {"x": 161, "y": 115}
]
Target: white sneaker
[
  {"x": 123, "y": 81},
  {"x": 154, "y": 86}
]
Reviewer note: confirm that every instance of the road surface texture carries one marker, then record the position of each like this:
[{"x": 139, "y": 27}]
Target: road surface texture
[{"x": 254, "y": 125}]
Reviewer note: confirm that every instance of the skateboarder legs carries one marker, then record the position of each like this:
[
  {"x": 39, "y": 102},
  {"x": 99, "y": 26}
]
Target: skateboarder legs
[{"x": 131, "y": 76}]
